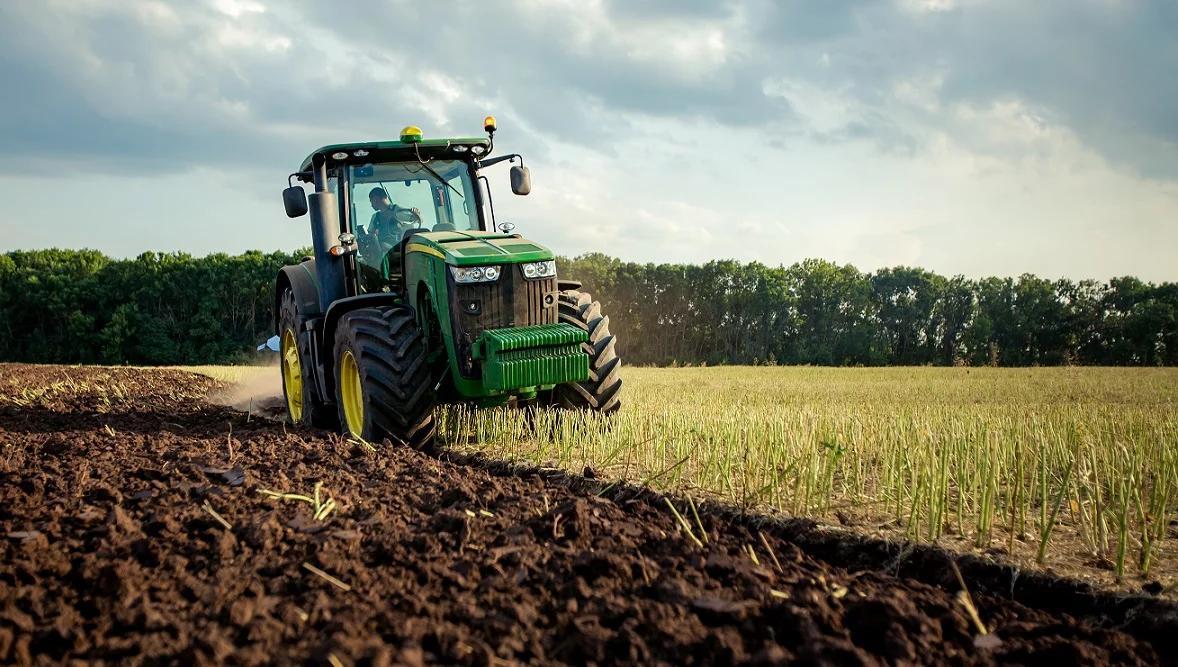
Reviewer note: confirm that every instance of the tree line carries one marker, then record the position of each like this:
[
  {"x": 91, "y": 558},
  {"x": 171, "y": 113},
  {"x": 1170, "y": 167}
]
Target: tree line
[
  {"x": 819, "y": 312},
  {"x": 79, "y": 306}
]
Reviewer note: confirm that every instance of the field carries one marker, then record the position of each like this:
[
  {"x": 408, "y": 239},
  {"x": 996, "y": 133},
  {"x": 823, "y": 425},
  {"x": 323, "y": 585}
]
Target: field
[
  {"x": 1074, "y": 469},
  {"x": 140, "y": 520}
]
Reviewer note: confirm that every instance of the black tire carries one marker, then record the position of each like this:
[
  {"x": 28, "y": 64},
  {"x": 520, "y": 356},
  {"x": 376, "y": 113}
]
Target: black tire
[
  {"x": 396, "y": 387},
  {"x": 315, "y": 412},
  {"x": 602, "y": 392}
]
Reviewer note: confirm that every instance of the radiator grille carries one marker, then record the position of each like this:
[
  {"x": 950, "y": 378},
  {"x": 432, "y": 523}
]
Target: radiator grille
[
  {"x": 534, "y": 310},
  {"x": 511, "y": 301}
]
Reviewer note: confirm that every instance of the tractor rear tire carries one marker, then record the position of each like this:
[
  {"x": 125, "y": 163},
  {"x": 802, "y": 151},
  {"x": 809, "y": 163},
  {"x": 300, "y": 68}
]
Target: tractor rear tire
[
  {"x": 383, "y": 385},
  {"x": 306, "y": 409},
  {"x": 602, "y": 392}
]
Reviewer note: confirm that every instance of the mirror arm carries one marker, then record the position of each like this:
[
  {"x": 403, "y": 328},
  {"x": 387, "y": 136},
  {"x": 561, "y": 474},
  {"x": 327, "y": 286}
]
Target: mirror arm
[
  {"x": 501, "y": 158},
  {"x": 302, "y": 176}
]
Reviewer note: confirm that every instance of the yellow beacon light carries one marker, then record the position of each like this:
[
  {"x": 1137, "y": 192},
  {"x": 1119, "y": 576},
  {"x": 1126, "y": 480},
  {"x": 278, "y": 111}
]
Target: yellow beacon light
[
  {"x": 489, "y": 123},
  {"x": 411, "y": 134}
]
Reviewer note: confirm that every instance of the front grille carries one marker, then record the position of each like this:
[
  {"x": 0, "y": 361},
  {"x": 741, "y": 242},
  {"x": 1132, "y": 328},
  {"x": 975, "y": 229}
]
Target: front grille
[
  {"x": 511, "y": 301},
  {"x": 534, "y": 310},
  {"x": 494, "y": 305}
]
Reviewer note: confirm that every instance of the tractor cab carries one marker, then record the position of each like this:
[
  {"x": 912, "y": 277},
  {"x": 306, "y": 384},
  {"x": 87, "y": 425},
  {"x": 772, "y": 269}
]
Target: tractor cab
[{"x": 388, "y": 191}]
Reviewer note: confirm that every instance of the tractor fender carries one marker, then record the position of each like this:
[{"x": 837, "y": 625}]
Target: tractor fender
[
  {"x": 330, "y": 320},
  {"x": 425, "y": 291},
  {"x": 562, "y": 285},
  {"x": 301, "y": 279}
]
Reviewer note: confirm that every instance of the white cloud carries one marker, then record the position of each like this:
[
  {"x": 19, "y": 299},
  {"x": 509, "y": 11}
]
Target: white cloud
[
  {"x": 920, "y": 91},
  {"x": 824, "y": 109},
  {"x": 928, "y": 5},
  {"x": 236, "y": 8},
  {"x": 959, "y": 136}
]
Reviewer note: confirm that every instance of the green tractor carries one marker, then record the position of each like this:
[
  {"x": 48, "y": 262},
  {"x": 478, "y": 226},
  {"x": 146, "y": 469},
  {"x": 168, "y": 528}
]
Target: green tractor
[{"x": 416, "y": 295}]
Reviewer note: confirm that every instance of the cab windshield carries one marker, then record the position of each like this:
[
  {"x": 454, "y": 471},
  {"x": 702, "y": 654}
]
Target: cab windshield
[
  {"x": 389, "y": 201},
  {"x": 396, "y": 197}
]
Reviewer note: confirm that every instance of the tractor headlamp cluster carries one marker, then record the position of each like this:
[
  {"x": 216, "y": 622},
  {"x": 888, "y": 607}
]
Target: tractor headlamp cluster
[
  {"x": 475, "y": 274},
  {"x": 545, "y": 269},
  {"x": 488, "y": 274}
]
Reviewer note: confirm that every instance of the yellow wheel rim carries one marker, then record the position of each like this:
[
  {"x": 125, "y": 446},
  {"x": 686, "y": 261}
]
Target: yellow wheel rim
[
  {"x": 351, "y": 393},
  {"x": 292, "y": 376}
]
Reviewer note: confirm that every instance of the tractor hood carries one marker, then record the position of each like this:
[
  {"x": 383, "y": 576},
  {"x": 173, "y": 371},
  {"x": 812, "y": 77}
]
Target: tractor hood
[{"x": 478, "y": 248}]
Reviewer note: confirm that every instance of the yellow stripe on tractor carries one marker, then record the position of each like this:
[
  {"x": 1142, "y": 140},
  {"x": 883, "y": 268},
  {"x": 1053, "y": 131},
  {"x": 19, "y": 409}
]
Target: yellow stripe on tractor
[{"x": 418, "y": 247}]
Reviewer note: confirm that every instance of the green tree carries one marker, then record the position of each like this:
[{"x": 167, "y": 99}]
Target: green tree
[
  {"x": 905, "y": 300},
  {"x": 169, "y": 308}
]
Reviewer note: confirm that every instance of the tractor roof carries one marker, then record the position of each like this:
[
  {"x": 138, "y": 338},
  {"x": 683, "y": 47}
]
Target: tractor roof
[{"x": 391, "y": 151}]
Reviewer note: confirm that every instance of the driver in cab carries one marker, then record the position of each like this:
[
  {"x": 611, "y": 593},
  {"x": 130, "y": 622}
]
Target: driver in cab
[{"x": 389, "y": 221}]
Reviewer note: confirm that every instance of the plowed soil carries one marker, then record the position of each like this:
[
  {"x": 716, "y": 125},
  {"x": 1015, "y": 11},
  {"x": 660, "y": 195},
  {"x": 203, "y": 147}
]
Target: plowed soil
[{"x": 114, "y": 484}]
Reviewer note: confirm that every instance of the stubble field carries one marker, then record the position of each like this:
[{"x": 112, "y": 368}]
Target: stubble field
[{"x": 1074, "y": 469}]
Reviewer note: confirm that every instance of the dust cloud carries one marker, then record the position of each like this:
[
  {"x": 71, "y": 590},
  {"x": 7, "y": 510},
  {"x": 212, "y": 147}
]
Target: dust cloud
[{"x": 257, "y": 391}]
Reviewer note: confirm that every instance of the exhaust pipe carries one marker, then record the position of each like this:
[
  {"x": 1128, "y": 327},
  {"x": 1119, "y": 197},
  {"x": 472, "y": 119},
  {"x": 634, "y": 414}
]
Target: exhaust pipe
[{"x": 324, "y": 210}]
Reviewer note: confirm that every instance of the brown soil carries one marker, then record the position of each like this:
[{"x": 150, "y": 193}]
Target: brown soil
[{"x": 111, "y": 482}]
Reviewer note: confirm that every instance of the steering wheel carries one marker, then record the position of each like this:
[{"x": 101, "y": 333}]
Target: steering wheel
[
  {"x": 374, "y": 245},
  {"x": 407, "y": 216}
]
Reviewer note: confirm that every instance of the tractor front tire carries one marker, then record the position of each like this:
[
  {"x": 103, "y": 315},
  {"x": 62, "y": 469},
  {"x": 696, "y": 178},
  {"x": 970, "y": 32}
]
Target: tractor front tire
[
  {"x": 303, "y": 407},
  {"x": 383, "y": 386},
  {"x": 602, "y": 392}
]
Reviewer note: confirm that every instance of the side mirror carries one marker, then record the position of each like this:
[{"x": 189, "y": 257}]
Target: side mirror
[
  {"x": 294, "y": 199},
  {"x": 521, "y": 180}
]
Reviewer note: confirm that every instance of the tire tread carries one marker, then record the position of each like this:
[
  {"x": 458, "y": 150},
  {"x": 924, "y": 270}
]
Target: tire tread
[
  {"x": 390, "y": 350},
  {"x": 602, "y": 391}
]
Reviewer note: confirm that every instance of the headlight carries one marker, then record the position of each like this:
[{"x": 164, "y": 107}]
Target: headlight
[
  {"x": 539, "y": 269},
  {"x": 475, "y": 274}
]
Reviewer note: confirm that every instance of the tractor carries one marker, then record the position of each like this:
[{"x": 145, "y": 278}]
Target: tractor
[{"x": 415, "y": 295}]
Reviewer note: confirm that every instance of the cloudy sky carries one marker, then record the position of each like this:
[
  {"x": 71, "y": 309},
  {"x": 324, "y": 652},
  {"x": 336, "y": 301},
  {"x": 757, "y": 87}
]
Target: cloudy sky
[{"x": 964, "y": 136}]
